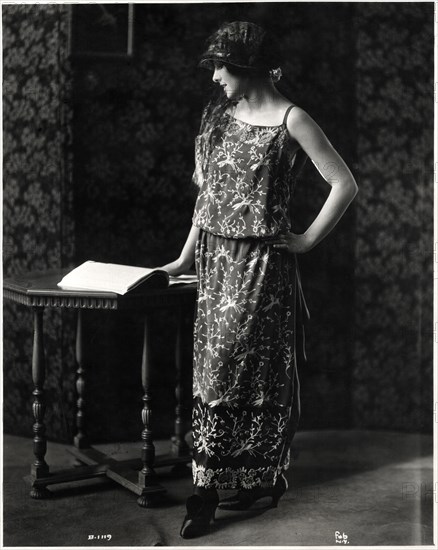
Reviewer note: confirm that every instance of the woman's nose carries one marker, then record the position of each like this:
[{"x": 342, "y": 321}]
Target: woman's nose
[{"x": 216, "y": 76}]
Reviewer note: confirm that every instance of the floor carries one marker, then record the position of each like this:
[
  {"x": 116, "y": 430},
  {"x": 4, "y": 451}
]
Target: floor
[{"x": 373, "y": 488}]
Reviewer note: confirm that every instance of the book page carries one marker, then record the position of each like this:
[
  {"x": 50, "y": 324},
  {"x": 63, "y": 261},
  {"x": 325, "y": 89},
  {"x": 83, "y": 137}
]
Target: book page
[{"x": 105, "y": 277}]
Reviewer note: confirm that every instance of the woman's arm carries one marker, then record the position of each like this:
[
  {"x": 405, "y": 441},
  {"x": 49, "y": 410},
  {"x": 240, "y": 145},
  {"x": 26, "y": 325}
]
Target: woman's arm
[
  {"x": 187, "y": 256},
  {"x": 335, "y": 172}
]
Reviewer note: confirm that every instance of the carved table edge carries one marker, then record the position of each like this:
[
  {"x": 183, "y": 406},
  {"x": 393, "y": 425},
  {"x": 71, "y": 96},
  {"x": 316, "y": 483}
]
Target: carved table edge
[{"x": 57, "y": 301}]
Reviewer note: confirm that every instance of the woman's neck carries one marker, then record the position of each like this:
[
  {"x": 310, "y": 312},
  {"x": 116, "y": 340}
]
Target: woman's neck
[{"x": 259, "y": 96}]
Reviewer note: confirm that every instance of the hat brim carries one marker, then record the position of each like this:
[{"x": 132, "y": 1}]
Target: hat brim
[{"x": 208, "y": 63}]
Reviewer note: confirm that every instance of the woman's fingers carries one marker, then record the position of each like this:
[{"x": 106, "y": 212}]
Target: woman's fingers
[
  {"x": 281, "y": 245},
  {"x": 277, "y": 239},
  {"x": 279, "y": 242},
  {"x": 289, "y": 242}
]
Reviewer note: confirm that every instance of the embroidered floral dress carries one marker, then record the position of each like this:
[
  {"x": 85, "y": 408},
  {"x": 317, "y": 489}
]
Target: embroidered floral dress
[{"x": 245, "y": 383}]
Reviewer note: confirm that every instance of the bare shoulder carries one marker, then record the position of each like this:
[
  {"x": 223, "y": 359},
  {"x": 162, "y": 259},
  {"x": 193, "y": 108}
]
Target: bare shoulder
[
  {"x": 301, "y": 125},
  {"x": 298, "y": 115}
]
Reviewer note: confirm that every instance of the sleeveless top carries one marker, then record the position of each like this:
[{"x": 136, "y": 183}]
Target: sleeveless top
[{"x": 246, "y": 174}]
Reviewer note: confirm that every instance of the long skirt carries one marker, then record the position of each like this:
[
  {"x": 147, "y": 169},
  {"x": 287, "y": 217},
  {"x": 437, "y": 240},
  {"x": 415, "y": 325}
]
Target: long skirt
[{"x": 245, "y": 382}]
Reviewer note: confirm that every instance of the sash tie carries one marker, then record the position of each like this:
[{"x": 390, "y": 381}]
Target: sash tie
[{"x": 302, "y": 305}]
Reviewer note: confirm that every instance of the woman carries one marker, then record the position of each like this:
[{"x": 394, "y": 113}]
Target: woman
[{"x": 245, "y": 385}]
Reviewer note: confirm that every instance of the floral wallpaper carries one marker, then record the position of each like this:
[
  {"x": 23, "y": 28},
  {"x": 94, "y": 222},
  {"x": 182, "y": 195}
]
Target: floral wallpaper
[
  {"x": 392, "y": 377},
  {"x": 98, "y": 159},
  {"x": 37, "y": 202}
]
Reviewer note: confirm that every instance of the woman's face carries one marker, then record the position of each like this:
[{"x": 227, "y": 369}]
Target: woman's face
[{"x": 233, "y": 85}]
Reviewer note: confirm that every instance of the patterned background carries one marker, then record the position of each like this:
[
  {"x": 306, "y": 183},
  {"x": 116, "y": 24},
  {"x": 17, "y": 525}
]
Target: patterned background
[
  {"x": 98, "y": 157},
  {"x": 393, "y": 267},
  {"x": 37, "y": 202}
]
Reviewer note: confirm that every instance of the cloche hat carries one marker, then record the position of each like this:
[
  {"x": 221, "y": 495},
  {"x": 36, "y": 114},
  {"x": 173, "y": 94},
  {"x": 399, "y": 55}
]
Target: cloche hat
[{"x": 241, "y": 44}]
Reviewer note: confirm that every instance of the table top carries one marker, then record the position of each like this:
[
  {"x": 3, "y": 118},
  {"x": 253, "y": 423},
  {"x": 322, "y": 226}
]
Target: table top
[{"x": 39, "y": 289}]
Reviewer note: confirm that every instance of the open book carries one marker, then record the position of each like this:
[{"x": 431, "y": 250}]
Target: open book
[{"x": 102, "y": 277}]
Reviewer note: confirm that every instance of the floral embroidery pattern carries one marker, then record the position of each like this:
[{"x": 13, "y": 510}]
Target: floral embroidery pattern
[
  {"x": 247, "y": 183},
  {"x": 245, "y": 387},
  {"x": 227, "y": 477}
]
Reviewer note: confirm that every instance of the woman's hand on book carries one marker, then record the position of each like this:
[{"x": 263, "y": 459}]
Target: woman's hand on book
[
  {"x": 177, "y": 267},
  {"x": 186, "y": 259}
]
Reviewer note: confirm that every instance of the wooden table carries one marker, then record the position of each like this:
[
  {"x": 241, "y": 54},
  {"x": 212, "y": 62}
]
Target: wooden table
[{"x": 40, "y": 291}]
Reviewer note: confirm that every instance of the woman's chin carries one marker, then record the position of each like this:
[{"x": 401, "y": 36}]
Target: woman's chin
[{"x": 233, "y": 95}]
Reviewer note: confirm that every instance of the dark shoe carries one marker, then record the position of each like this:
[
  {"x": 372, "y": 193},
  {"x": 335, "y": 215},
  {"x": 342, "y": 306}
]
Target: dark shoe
[
  {"x": 200, "y": 512},
  {"x": 245, "y": 498}
]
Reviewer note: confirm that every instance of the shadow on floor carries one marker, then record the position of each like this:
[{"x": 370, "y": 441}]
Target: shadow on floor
[{"x": 373, "y": 487}]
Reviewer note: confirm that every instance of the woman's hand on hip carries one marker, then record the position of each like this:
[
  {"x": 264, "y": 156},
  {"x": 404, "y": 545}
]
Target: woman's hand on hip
[{"x": 292, "y": 242}]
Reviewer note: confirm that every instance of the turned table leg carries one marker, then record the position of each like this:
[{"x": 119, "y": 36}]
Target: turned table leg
[
  {"x": 39, "y": 468},
  {"x": 147, "y": 478},
  {"x": 80, "y": 439}
]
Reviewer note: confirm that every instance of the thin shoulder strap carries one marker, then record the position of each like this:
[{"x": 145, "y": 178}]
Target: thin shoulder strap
[{"x": 286, "y": 114}]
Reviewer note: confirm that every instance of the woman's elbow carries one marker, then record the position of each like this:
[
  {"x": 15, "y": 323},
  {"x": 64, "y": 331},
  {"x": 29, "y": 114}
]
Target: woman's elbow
[{"x": 350, "y": 187}]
